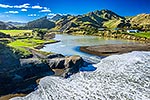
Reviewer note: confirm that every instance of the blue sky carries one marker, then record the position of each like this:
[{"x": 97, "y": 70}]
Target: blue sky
[{"x": 27, "y": 10}]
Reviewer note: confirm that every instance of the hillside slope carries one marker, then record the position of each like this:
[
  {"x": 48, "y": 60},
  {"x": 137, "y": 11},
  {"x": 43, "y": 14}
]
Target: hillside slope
[{"x": 40, "y": 23}]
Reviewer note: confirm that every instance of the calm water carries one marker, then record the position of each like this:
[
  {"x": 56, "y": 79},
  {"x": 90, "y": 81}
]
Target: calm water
[{"x": 70, "y": 44}]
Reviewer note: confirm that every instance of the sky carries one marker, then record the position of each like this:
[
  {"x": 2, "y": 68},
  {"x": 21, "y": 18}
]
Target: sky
[{"x": 28, "y": 10}]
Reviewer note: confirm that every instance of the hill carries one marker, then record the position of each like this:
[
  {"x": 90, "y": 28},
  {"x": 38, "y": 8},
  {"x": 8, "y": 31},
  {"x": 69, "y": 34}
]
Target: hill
[
  {"x": 56, "y": 17},
  {"x": 16, "y": 23},
  {"x": 40, "y": 23},
  {"x": 141, "y": 21},
  {"x": 4, "y": 25},
  {"x": 89, "y": 22}
]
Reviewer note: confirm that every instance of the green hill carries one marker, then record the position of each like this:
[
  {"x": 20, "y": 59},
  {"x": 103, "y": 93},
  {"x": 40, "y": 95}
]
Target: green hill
[{"x": 88, "y": 22}]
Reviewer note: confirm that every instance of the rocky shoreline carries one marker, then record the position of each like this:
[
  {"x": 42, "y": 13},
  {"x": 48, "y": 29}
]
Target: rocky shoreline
[
  {"x": 107, "y": 50},
  {"x": 19, "y": 76}
]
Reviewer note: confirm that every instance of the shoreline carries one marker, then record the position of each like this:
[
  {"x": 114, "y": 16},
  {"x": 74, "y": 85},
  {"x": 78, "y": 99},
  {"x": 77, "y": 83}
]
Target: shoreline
[
  {"x": 111, "y": 49},
  {"x": 43, "y": 45}
]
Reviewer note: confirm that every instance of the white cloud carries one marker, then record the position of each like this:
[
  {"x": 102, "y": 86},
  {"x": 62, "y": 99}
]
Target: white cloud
[
  {"x": 24, "y": 10},
  {"x": 26, "y": 5},
  {"x": 5, "y": 6},
  {"x": 37, "y": 7},
  {"x": 32, "y": 15},
  {"x": 12, "y": 12},
  {"x": 45, "y": 10}
]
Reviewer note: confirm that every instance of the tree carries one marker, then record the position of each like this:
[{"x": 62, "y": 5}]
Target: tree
[{"x": 40, "y": 32}]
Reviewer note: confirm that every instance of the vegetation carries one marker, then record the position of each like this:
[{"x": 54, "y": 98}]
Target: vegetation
[
  {"x": 20, "y": 46},
  {"x": 142, "y": 34},
  {"x": 17, "y": 32},
  {"x": 40, "y": 32},
  {"x": 24, "y": 40}
]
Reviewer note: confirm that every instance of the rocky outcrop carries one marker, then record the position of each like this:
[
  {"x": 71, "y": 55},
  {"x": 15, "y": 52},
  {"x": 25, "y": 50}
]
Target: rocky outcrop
[
  {"x": 68, "y": 65},
  {"x": 20, "y": 75}
]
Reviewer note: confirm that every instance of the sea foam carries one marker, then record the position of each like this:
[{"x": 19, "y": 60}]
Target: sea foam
[{"x": 117, "y": 77}]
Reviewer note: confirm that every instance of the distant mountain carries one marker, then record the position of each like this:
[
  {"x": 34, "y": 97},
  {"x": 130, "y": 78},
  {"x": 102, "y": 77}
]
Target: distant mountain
[
  {"x": 16, "y": 23},
  {"x": 40, "y": 23},
  {"x": 56, "y": 17},
  {"x": 89, "y": 21},
  {"x": 4, "y": 25}
]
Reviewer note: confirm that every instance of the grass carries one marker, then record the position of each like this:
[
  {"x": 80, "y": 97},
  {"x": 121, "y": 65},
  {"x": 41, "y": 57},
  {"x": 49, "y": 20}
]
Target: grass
[
  {"x": 142, "y": 34},
  {"x": 29, "y": 42},
  {"x": 16, "y": 32},
  {"x": 20, "y": 46}
]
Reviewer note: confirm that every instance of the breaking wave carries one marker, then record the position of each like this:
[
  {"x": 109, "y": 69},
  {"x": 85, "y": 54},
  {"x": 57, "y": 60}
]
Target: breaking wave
[{"x": 118, "y": 77}]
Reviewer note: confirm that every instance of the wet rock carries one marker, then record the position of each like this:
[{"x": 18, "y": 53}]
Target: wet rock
[{"x": 69, "y": 65}]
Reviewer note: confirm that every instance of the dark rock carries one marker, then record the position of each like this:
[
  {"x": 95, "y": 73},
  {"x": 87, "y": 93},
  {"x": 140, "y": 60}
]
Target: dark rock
[
  {"x": 33, "y": 67},
  {"x": 69, "y": 65},
  {"x": 54, "y": 56},
  {"x": 8, "y": 60}
]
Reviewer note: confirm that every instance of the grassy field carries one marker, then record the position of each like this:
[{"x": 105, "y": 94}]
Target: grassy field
[
  {"x": 142, "y": 34},
  {"x": 16, "y": 32},
  {"x": 28, "y": 42},
  {"x": 20, "y": 45}
]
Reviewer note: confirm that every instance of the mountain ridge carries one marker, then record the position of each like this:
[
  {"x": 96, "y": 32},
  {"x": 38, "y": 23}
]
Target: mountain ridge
[{"x": 87, "y": 22}]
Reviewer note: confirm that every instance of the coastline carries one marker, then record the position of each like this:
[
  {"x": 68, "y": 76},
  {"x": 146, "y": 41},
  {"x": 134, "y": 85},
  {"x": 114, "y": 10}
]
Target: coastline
[{"x": 107, "y": 50}]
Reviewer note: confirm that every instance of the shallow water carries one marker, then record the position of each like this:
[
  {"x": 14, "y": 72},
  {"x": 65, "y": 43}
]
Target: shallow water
[
  {"x": 118, "y": 77},
  {"x": 70, "y": 44}
]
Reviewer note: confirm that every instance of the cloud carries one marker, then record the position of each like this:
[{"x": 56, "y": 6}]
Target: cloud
[
  {"x": 37, "y": 7},
  {"x": 24, "y": 10},
  {"x": 32, "y": 15},
  {"x": 5, "y": 6},
  {"x": 45, "y": 10},
  {"x": 12, "y": 12},
  {"x": 26, "y": 5}
]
